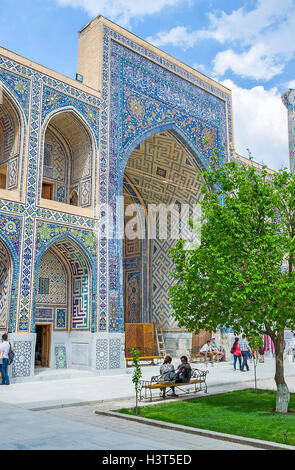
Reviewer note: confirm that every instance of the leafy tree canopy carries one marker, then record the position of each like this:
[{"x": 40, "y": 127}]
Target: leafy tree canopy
[{"x": 242, "y": 274}]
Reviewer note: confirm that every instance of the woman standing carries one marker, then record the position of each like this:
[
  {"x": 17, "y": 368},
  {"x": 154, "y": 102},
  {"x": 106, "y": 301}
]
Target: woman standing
[{"x": 235, "y": 350}]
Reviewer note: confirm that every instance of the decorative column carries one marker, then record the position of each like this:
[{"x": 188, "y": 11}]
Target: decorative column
[{"x": 288, "y": 99}]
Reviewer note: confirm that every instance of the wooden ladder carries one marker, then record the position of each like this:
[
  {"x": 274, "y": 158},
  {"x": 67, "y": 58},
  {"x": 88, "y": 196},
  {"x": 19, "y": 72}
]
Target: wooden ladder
[{"x": 160, "y": 340}]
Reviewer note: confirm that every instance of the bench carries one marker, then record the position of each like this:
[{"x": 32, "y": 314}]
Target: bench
[
  {"x": 150, "y": 359},
  {"x": 198, "y": 380},
  {"x": 201, "y": 357},
  {"x": 197, "y": 357}
]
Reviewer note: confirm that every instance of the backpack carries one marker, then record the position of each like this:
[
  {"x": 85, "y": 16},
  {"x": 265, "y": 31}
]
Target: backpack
[{"x": 10, "y": 355}]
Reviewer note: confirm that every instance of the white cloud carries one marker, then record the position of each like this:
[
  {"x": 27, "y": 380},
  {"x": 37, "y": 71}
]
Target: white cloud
[
  {"x": 291, "y": 84},
  {"x": 178, "y": 36},
  {"x": 261, "y": 40},
  {"x": 260, "y": 124},
  {"x": 255, "y": 63},
  {"x": 120, "y": 11}
]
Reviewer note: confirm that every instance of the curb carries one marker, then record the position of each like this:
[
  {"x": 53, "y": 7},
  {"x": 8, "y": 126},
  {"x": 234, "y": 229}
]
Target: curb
[
  {"x": 76, "y": 403},
  {"x": 266, "y": 445}
]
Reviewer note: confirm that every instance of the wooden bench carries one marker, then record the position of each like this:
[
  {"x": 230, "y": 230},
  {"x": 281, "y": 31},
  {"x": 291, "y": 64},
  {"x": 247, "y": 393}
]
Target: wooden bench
[
  {"x": 151, "y": 359},
  {"x": 198, "y": 380},
  {"x": 201, "y": 357},
  {"x": 197, "y": 357}
]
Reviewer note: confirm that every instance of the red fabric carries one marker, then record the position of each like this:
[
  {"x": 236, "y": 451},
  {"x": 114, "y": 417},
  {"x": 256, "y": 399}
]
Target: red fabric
[{"x": 237, "y": 351}]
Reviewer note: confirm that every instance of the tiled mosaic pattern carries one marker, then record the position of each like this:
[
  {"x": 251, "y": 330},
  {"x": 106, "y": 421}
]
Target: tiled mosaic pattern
[
  {"x": 60, "y": 357},
  {"x": 101, "y": 354},
  {"x": 30, "y": 89},
  {"x": 5, "y": 285},
  {"x": 21, "y": 366}
]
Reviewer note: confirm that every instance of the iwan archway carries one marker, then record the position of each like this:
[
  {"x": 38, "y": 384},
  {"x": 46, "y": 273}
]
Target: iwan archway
[
  {"x": 63, "y": 302},
  {"x": 161, "y": 172}
]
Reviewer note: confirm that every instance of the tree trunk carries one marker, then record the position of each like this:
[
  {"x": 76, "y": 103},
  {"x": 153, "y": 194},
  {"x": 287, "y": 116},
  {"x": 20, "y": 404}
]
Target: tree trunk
[{"x": 283, "y": 395}]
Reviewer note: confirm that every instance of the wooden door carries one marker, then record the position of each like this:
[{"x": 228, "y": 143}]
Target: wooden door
[
  {"x": 199, "y": 340},
  {"x": 47, "y": 191},
  {"x": 45, "y": 350},
  {"x": 139, "y": 336}
]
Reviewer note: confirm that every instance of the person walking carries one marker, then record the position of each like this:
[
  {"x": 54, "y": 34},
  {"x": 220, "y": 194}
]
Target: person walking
[
  {"x": 244, "y": 346},
  {"x": 236, "y": 351},
  {"x": 4, "y": 350},
  {"x": 261, "y": 354}
]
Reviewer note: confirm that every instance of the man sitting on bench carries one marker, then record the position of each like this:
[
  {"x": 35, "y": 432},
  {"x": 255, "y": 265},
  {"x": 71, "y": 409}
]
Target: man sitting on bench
[
  {"x": 217, "y": 353},
  {"x": 207, "y": 351}
]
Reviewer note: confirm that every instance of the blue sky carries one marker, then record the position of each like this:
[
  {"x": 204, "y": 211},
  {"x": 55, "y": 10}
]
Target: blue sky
[{"x": 247, "y": 45}]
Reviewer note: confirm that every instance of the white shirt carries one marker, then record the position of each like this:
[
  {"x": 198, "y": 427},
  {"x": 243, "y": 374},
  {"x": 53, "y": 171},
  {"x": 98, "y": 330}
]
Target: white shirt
[
  {"x": 4, "y": 347},
  {"x": 205, "y": 348}
]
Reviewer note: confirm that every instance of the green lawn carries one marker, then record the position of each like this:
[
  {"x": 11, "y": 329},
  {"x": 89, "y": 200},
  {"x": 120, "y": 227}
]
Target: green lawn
[{"x": 243, "y": 413}]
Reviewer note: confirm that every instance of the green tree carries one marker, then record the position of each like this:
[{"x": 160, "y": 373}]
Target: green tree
[
  {"x": 241, "y": 275},
  {"x": 137, "y": 374}
]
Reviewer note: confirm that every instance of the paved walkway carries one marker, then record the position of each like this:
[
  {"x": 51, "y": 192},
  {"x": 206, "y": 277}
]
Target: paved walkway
[
  {"x": 61, "y": 426},
  {"x": 85, "y": 387},
  {"x": 136, "y": 435}
]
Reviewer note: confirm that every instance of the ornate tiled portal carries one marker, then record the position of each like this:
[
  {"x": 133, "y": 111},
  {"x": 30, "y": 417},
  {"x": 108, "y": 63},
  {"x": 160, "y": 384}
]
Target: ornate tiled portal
[{"x": 65, "y": 148}]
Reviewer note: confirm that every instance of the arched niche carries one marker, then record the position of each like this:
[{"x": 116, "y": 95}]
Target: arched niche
[
  {"x": 63, "y": 287},
  {"x": 67, "y": 160},
  {"x": 10, "y": 144}
]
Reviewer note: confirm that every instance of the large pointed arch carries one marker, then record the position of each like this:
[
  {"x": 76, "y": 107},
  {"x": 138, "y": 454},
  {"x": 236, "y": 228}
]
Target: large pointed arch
[
  {"x": 166, "y": 169},
  {"x": 178, "y": 133}
]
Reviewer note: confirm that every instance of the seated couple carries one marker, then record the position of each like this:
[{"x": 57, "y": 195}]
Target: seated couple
[
  {"x": 210, "y": 350},
  {"x": 183, "y": 373}
]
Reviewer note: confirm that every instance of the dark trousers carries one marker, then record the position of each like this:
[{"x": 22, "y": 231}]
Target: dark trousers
[
  {"x": 245, "y": 358},
  {"x": 4, "y": 373},
  {"x": 235, "y": 361}
]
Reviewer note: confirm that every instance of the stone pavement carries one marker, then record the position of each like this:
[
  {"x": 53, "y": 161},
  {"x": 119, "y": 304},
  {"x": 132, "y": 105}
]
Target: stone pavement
[
  {"x": 78, "y": 428},
  {"x": 60, "y": 425},
  {"x": 51, "y": 388}
]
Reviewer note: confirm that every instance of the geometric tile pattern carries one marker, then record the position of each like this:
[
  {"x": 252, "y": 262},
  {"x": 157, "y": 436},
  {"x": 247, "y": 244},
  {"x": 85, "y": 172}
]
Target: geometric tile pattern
[
  {"x": 115, "y": 353},
  {"x": 137, "y": 112},
  {"x": 21, "y": 366},
  {"x": 60, "y": 357},
  {"x": 145, "y": 97},
  {"x": 29, "y": 89},
  {"x": 81, "y": 284},
  {"x": 101, "y": 354},
  {"x": 161, "y": 170},
  {"x": 5, "y": 285},
  {"x": 53, "y": 269},
  {"x": 56, "y": 171}
]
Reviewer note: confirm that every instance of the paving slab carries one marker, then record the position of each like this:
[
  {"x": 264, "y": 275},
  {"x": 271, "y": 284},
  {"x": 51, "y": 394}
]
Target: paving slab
[{"x": 86, "y": 388}]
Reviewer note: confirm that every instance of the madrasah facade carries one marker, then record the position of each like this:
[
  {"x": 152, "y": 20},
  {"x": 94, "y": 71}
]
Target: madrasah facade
[{"x": 136, "y": 126}]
